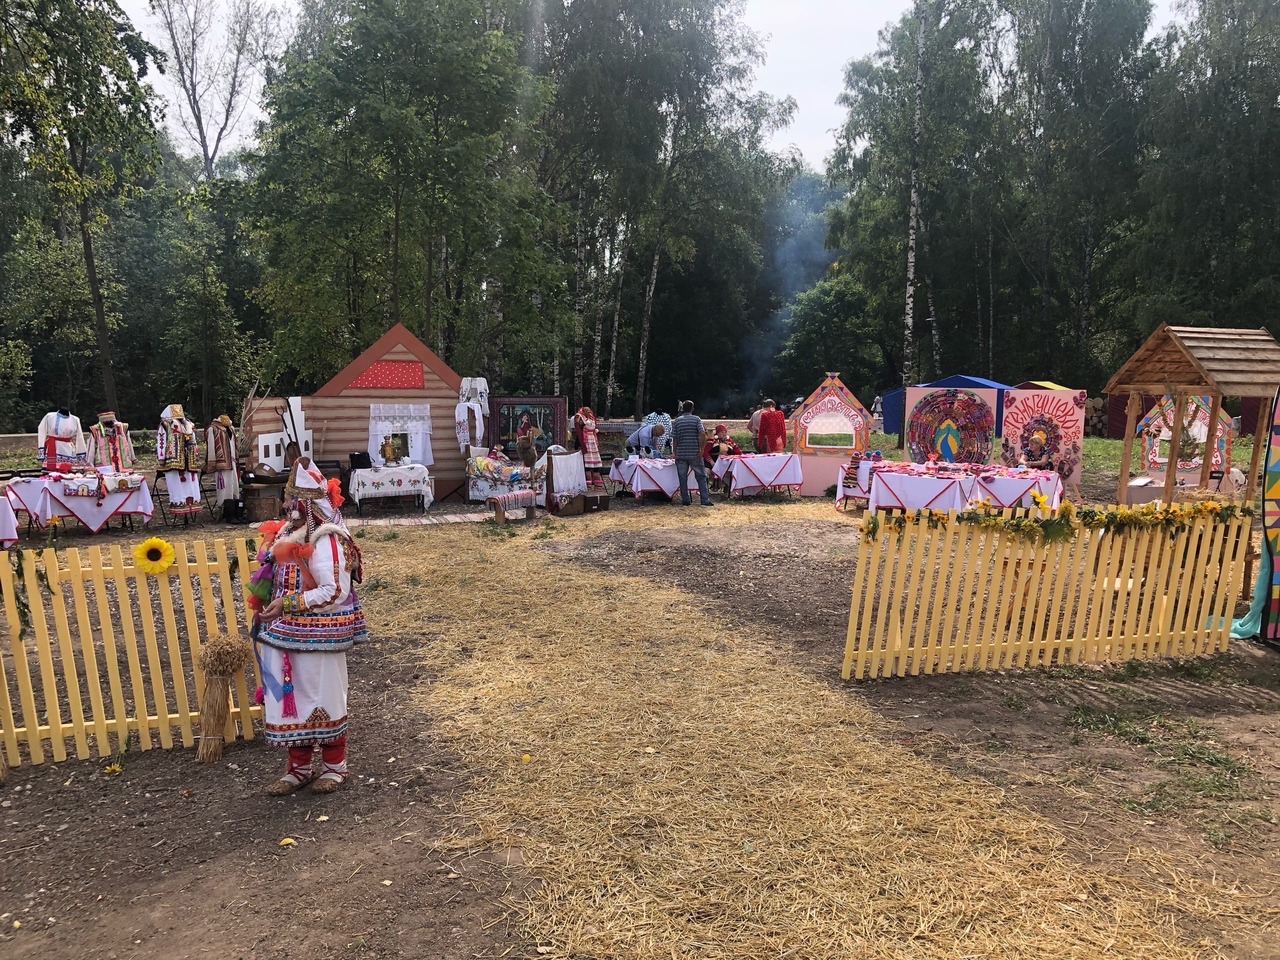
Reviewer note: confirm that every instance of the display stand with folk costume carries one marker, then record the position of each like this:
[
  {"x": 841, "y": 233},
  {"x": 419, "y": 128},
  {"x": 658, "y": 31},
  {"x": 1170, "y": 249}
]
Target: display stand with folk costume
[
  {"x": 110, "y": 448},
  {"x": 587, "y": 431},
  {"x": 310, "y": 567},
  {"x": 179, "y": 455},
  {"x": 222, "y": 459},
  {"x": 60, "y": 439}
]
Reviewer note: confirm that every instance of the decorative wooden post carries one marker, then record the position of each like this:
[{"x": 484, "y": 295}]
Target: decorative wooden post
[
  {"x": 1211, "y": 442},
  {"x": 1126, "y": 454},
  {"x": 1175, "y": 447},
  {"x": 1261, "y": 438}
]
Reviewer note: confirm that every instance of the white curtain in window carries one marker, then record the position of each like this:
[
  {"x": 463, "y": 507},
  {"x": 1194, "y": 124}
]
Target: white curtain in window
[{"x": 413, "y": 419}]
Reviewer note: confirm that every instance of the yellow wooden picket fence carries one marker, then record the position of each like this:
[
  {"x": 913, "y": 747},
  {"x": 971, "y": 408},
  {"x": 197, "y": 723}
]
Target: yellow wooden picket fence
[
  {"x": 958, "y": 597},
  {"x": 93, "y": 649}
]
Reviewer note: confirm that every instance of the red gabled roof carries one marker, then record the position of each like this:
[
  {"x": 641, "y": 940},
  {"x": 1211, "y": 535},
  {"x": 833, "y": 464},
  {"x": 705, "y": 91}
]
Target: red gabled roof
[{"x": 397, "y": 336}]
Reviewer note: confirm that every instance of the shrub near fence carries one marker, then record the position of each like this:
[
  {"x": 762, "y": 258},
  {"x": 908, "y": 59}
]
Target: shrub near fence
[
  {"x": 96, "y": 650},
  {"x": 948, "y": 597}
]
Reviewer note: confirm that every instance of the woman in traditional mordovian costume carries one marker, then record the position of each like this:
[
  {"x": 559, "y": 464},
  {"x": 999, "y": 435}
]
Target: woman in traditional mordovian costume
[{"x": 304, "y": 633}]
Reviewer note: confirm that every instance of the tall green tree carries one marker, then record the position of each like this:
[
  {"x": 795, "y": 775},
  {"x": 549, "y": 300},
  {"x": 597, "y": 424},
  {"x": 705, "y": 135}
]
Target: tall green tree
[
  {"x": 392, "y": 185},
  {"x": 72, "y": 86},
  {"x": 1206, "y": 248}
]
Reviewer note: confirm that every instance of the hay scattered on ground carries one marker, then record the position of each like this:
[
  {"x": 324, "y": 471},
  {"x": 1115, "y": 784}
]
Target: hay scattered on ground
[{"x": 684, "y": 796}]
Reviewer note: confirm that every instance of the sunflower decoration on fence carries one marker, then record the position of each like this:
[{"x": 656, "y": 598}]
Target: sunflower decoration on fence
[{"x": 153, "y": 556}]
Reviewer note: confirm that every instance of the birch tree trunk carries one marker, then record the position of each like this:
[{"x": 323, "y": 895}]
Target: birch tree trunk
[
  {"x": 580, "y": 283},
  {"x": 611, "y": 383},
  {"x": 644, "y": 329},
  {"x": 913, "y": 220},
  {"x": 991, "y": 304},
  {"x": 977, "y": 276},
  {"x": 937, "y": 334},
  {"x": 598, "y": 336}
]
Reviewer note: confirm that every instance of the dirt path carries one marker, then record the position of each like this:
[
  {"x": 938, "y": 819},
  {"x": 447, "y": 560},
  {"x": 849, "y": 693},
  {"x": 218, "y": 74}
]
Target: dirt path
[{"x": 1180, "y": 758}]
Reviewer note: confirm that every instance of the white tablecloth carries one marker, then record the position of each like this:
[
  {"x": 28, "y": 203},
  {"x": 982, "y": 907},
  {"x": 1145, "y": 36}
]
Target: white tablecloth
[
  {"x": 860, "y": 486},
  {"x": 647, "y": 476},
  {"x": 412, "y": 480},
  {"x": 939, "y": 493},
  {"x": 1016, "y": 491},
  {"x": 43, "y": 499},
  {"x": 8, "y": 524},
  {"x": 751, "y": 473}
]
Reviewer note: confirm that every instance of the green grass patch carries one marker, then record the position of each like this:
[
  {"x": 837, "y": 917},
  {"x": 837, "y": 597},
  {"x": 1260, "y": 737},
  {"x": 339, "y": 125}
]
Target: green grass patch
[{"x": 1110, "y": 723}]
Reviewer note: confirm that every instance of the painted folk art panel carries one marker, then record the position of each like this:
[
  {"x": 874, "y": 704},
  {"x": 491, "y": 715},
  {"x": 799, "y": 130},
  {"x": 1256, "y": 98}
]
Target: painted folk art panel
[
  {"x": 954, "y": 424},
  {"x": 1056, "y": 417}
]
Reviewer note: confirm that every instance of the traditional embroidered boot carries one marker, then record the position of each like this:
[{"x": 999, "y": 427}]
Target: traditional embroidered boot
[
  {"x": 296, "y": 776},
  {"x": 333, "y": 767}
]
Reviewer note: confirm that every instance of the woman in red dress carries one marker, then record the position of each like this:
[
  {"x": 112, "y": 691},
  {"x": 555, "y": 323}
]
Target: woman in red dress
[
  {"x": 773, "y": 429},
  {"x": 588, "y": 434}
]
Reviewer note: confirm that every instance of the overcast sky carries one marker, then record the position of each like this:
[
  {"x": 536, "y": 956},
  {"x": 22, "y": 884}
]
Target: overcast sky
[{"x": 808, "y": 44}]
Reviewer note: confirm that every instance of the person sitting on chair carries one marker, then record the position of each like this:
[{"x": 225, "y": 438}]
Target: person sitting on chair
[
  {"x": 1034, "y": 455},
  {"x": 720, "y": 445}
]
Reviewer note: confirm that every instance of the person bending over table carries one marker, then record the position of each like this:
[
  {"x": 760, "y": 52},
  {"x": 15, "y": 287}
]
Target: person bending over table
[
  {"x": 1034, "y": 455},
  {"x": 646, "y": 439}
]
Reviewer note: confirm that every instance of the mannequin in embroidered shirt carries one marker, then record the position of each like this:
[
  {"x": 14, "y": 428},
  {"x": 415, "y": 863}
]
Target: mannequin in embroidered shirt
[
  {"x": 179, "y": 457},
  {"x": 222, "y": 459},
  {"x": 110, "y": 449},
  {"x": 314, "y": 617},
  {"x": 61, "y": 439}
]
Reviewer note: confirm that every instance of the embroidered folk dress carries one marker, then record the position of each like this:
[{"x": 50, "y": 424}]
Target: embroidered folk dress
[
  {"x": 221, "y": 459},
  {"x": 110, "y": 448},
  {"x": 178, "y": 454},
  {"x": 308, "y": 647},
  {"x": 589, "y": 436}
]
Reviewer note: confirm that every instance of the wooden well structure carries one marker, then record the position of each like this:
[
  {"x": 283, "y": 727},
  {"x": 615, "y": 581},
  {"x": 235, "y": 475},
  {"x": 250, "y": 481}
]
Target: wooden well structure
[{"x": 1199, "y": 361}]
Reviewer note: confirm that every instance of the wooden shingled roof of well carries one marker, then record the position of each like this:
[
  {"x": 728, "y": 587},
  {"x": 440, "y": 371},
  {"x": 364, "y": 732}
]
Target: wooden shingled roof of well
[{"x": 1202, "y": 360}]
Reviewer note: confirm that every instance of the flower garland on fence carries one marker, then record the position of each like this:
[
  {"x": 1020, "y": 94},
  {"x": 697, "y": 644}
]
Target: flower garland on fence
[{"x": 1059, "y": 526}]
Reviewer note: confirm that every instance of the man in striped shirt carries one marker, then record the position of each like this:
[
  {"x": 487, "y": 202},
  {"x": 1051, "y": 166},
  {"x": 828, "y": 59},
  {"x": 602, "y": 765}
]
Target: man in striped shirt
[{"x": 688, "y": 435}]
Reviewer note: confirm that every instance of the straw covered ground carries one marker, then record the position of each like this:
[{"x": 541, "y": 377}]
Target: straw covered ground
[{"x": 680, "y": 790}]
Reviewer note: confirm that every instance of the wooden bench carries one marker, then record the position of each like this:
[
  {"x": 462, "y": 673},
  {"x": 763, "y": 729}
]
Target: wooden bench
[{"x": 504, "y": 503}]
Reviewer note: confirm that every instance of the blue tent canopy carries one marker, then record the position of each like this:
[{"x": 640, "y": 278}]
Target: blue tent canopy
[{"x": 895, "y": 401}]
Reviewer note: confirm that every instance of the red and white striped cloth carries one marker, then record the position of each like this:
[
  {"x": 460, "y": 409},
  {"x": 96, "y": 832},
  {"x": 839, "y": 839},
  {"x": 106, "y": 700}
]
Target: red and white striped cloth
[{"x": 515, "y": 499}]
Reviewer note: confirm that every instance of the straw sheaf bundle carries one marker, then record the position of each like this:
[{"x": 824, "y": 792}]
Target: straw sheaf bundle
[
  {"x": 676, "y": 789},
  {"x": 222, "y": 657}
]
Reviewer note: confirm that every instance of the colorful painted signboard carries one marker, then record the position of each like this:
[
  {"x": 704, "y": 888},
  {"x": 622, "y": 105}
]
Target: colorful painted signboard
[
  {"x": 831, "y": 421},
  {"x": 1158, "y": 425},
  {"x": 1057, "y": 415},
  {"x": 955, "y": 424},
  {"x": 1271, "y": 524}
]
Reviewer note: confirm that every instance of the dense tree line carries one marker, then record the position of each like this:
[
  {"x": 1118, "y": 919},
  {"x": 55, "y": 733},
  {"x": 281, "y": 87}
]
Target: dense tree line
[
  {"x": 579, "y": 197},
  {"x": 1033, "y": 186}
]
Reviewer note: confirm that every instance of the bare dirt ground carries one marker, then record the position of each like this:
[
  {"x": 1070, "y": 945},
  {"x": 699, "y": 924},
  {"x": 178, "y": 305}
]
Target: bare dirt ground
[
  {"x": 1180, "y": 757},
  {"x": 170, "y": 859}
]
